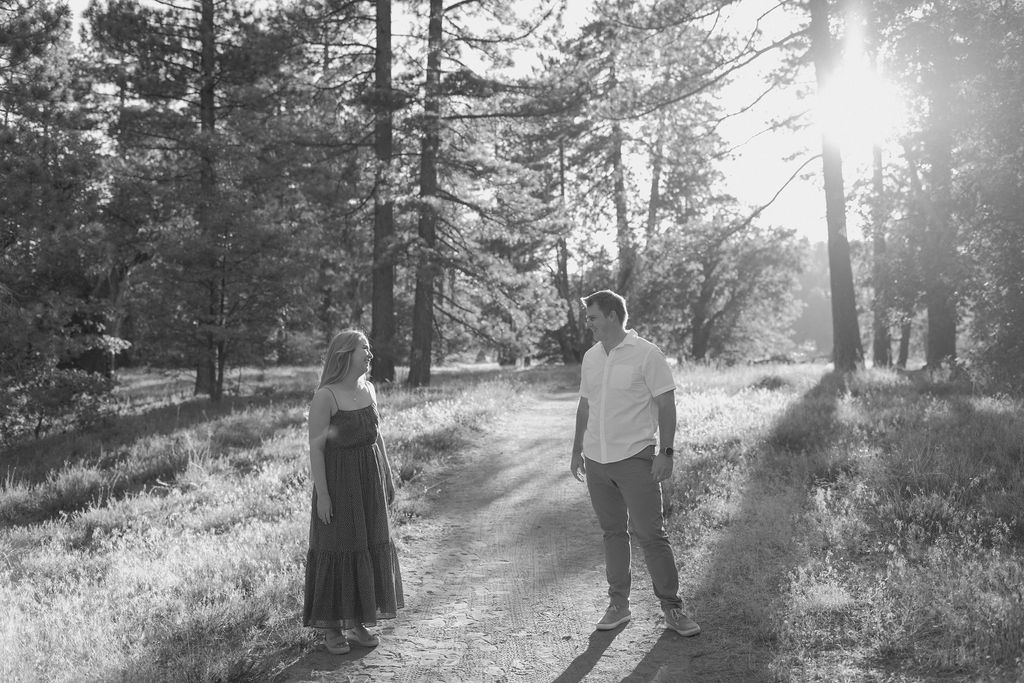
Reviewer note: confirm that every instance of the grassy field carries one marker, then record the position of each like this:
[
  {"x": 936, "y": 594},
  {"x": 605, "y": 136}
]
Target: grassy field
[
  {"x": 169, "y": 545},
  {"x": 862, "y": 528},
  {"x": 865, "y": 528}
]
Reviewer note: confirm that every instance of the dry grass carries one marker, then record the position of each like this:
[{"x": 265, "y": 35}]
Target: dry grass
[
  {"x": 863, "y": 528},
  {"x": 178, "y": 555},
  {"x": 829, "y": 528}
]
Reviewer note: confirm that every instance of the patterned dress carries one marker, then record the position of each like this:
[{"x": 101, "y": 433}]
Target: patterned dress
[{"x": 352, "y": 574}]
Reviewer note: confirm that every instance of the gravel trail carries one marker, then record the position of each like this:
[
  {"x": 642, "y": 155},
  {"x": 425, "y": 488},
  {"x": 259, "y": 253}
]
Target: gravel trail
[{"x": 504, "y": 577}]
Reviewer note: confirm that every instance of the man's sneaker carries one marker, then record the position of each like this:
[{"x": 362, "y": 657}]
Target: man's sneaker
[
  {"x": 613, "y": 617},
  {"x": 677, "y": 620}
]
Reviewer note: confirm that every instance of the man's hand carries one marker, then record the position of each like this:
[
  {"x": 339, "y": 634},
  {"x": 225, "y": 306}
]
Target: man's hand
[
  {"x": 577, "y": 466},
  {"x": 662, "y": 468}
]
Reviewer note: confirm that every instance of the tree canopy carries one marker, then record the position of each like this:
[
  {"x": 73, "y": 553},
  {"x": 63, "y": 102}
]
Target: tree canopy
[{"x": 231, "y": 182}]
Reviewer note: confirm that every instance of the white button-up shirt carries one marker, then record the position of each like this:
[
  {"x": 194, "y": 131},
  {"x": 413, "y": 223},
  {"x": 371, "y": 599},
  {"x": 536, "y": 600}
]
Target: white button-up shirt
[{"x": 620, "y": 387}]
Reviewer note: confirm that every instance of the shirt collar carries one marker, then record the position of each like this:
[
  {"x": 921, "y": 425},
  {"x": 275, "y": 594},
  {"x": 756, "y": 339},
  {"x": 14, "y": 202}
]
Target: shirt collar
[{"x": 629, "y": 340}]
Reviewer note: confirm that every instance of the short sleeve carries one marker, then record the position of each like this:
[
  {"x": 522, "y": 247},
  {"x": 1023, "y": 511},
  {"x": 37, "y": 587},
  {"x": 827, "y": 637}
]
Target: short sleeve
[
  {"x": 657, "y": 373},
  {"x": 586, "y": 368}
]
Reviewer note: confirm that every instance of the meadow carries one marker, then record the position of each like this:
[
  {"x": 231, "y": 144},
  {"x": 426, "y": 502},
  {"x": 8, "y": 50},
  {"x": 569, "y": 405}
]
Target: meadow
[
  {"x": 865, "y": 527},
  {"x": 169, "y": 544}
]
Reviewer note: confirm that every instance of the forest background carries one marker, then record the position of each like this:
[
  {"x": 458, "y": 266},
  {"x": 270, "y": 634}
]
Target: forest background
[{"x": 221, "y": 183}]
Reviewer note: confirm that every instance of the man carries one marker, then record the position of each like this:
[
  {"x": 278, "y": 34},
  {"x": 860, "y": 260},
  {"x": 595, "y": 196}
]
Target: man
[{"x": 627, "y": 393}]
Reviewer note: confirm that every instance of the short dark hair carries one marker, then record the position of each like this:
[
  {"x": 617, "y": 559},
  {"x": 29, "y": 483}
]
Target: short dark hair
[{"x": 607, "y": 301}]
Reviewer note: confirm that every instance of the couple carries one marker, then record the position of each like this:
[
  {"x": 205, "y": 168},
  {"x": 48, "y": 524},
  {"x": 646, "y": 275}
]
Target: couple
[{"x": 626, "y": 393}]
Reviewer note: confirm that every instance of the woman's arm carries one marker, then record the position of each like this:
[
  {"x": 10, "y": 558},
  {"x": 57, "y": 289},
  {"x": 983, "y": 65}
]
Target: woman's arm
[
  {"x": 389, "y": 481},
  {"x": 319, "y": 423}
]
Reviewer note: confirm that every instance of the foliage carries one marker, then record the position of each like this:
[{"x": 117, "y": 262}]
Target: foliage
[
  {"x": 994, "y": 195},
  {"x": 187, "y": 542},
  {"x": 951, "y": 185},
  {"x": 715, "y": 293},
  {"x": 74, "y": 398},
  {"x": 124, "y": 218},
  {"x": 866, "y": 526}
]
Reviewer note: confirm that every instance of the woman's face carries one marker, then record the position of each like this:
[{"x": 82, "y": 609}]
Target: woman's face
[{"x": 361, "y": 358}]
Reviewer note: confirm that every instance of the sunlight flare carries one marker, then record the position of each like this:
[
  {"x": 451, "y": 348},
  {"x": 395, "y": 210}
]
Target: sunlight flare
[{"x": 858, "y": 108}]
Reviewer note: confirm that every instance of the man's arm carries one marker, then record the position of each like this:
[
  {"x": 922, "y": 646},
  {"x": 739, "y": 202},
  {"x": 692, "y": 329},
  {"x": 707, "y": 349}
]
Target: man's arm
[
  {"x": 666, "y": 403},
  {"x": 577, "y": 466}
]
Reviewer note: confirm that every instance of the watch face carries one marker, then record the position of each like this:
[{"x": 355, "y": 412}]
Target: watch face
[{"x": 669, "y": 452}]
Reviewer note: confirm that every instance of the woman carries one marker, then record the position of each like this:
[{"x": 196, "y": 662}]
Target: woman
[{"x": 352, "y": 575}]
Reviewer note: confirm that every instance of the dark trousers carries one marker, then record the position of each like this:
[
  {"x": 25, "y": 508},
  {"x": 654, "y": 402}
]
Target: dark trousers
[{"x": 628, "y": 502}]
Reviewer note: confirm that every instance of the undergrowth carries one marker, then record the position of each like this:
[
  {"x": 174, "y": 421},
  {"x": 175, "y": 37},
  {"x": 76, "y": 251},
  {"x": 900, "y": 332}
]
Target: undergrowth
[
  {"x": 865, "y": 526},
  {"x": 178, "y": 556},
  {"x": 859, "y": 527}
]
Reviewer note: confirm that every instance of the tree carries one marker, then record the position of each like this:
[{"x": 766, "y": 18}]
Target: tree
[
  {"x": 718, "y": 292},
  {"x": 53, "y": 311},
  {"x": 384, "y": 103},
  {"x": 881, "y": 309},
  {"x": 193, "y": 82},
  {"x": 990, "y": 200},
  {"x": 847, "y": 350},
  {"x": 426, "y": 266}
]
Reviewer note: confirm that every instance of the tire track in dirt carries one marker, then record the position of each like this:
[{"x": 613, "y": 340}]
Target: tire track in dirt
[{"x": 504, "y": 578}]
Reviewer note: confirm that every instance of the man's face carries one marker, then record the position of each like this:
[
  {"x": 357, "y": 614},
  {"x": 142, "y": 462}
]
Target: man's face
[{"x": 603, "y": 326}]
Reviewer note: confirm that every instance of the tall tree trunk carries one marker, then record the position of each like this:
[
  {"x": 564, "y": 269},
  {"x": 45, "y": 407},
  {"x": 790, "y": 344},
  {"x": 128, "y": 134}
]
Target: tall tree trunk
[
  {"x": 847, "y": 351},
  {"x": 568, "y": 334},
  {"x": 881, "y": 347},
  {"x": 426, "y": 269},
  {"x": 904, "y": 347},
  {"x": 623, "y": 234},
  {"x": 206, "y": 368},
  {"x": 940, "y": 237},
  {"x": 657, "y": 164},
  {"x": 881, "y": 305},
  {"x": 382, "y": 332},
  {"x": 700, "y": 319}
]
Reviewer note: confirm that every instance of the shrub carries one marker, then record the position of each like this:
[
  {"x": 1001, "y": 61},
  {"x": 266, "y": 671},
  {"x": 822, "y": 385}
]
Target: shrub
[{"x": 73, "y": 397}]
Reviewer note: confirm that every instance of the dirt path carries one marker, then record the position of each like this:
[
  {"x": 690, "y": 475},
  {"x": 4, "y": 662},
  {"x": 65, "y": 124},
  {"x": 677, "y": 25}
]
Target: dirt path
[{"x": 505, "y": 577}]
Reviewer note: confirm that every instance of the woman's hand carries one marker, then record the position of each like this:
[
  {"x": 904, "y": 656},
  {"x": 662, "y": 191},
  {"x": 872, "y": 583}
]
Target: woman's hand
[
  {"x": 323, "y": 508},
  {"x": 389, "y": 486}
]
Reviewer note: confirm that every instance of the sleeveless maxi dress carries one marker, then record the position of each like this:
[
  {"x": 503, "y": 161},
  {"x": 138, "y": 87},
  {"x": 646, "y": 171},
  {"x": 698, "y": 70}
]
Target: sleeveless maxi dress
[{"x": 352, "y": 574}]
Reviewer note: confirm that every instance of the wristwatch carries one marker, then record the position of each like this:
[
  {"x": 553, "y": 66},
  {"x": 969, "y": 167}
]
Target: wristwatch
[{"x": 669, "y": 451}]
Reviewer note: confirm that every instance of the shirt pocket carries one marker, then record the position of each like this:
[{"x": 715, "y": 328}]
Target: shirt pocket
[
  {"x": 623, "y": 376},
  {"x": 591, "y": 379}
]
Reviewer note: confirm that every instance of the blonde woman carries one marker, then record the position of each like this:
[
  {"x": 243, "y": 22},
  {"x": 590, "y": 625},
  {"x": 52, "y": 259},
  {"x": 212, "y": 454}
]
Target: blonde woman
[{"x": 352, "y": 574}]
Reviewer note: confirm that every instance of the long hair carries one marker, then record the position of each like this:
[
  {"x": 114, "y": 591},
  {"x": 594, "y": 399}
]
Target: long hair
[{"x": 339, "y": 356}]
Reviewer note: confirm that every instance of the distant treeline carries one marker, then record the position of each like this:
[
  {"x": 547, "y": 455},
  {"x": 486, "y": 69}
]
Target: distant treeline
[{"x": 212, "y": 183}]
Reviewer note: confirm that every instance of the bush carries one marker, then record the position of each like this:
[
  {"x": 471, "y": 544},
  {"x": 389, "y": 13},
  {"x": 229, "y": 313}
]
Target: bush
[{"x": 73, "y": 397}]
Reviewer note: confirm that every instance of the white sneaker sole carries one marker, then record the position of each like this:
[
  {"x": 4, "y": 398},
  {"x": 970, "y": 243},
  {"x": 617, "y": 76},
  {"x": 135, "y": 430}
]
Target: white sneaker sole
[
  {"x": 686, "y": 633},
  {"x": 608, "y": 626}
]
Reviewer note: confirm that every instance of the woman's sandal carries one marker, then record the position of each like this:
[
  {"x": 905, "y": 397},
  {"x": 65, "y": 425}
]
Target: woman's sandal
[
  {"x": 361, "y": 636},
  {"x": 336, "y": 642}
]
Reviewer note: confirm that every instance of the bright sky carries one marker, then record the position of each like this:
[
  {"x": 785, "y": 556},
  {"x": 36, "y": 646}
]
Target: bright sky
[
  {"x": 857, "y": 112},
  {"x": 759, "y": 166}
]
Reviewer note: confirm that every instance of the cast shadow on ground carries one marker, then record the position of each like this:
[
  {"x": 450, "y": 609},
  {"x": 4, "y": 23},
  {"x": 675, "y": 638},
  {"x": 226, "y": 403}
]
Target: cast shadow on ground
[
  {"x": 670, "y": 660},
  {"x": 751, "y": 552},
  {"x": 22, "y": 462},
  {"x": 588, "y": 659},
  {"x": 319, "y": 664},
  {"x": 737, "y": 629}
]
